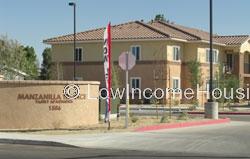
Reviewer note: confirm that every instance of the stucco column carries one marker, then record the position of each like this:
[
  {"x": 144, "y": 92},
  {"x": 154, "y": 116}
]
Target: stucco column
[{"x": 241, "y": 69}]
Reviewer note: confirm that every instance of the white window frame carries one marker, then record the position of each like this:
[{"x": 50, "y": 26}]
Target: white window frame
[
  {"x": 208, "y": 54},
  {"x": 135, "y": 78},
  {"x": 131, "y": 50},
  {"x": 82, "y": 55},
  {"x": 173, "y": 53},
  {"x": 179, "y": 83}
]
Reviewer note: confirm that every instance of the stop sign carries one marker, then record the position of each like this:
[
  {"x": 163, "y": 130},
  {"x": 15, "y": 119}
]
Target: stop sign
[{"x": 126, "y": 58}]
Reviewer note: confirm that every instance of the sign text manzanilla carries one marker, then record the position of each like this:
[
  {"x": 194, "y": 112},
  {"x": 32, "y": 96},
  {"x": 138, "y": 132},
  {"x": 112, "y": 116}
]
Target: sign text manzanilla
[{"x": 54, "y": 100}]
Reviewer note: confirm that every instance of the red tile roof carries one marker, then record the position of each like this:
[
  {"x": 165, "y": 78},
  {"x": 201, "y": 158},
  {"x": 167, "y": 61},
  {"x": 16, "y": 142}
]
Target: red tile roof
[
  {"x": 153, "y": 30},
  {"x": 232, "y": 39},
  {"x": 173, "y": 31},
  {"x": 130, "y": 30}
]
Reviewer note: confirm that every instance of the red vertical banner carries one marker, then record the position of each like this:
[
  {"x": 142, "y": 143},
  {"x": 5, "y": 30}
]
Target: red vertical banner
[{"x": 107, "y": 69}]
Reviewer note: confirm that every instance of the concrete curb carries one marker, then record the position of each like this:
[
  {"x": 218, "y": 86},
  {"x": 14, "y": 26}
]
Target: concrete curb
[
  {"x": 224, "y": 113},
  {"x": 35, "y": 142},
  {"x": 182, "y": 125}
]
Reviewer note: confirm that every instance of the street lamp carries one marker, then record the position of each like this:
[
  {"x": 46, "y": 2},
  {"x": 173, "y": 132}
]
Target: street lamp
[
  {"x": 74, "y": 6},
  {"x": 211, "y": 51},
  {"x": 211, "y": 107}
]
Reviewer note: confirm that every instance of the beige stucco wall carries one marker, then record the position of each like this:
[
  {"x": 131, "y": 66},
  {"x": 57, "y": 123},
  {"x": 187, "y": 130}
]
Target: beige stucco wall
[
  {"x": 197, "y": 51},
  {"x": 18, "y": 111},
  {"x": 150, "y": 51},
  {"x": 1, "y": 77},
  {"x": 92, "y": 51},
  {"x": 153, "y": 52},
  {"x": 64, "y": 52},
  {"x": 245, "y": 47}
]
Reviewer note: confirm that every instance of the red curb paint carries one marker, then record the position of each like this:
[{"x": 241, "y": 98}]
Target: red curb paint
[
  {"x": 182, "y": 125},
  {"x": 224, "y": 113}
]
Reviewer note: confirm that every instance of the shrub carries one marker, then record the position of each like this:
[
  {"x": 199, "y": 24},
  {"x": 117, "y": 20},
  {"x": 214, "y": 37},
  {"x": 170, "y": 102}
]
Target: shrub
[
  {"x": 196, "y": 103},
  {"x": 183, "y": 116},
  {"x": 164, "y": 119},
  {"x": 134, "y": 119},
  {"x": 193, "y": 107},
  {"x": 176, "y": 102},
  {"x": 131, "y": 115}
]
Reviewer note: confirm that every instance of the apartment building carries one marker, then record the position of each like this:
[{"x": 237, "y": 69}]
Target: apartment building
[{"x": 162, "y": 50}]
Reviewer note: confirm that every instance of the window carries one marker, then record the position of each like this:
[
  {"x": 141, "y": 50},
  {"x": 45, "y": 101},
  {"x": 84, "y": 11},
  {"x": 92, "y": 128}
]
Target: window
[
  {"x": 176, "y": 83},
  {"x": 136, "y": 51},
  {"x": 135, "y": 82},
  {"x": 215, "y": 55},
  {"x": 78, "y": 55},
  {"x": 176, "y": 53},
  {"x": 230, "y": 62}
]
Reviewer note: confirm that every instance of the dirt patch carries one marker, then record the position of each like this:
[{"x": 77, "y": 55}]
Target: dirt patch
[{"x": 118, "y": 125}]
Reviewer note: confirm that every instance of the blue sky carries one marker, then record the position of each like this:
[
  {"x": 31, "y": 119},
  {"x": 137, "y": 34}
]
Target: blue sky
[{"x": 31, "y": 21}]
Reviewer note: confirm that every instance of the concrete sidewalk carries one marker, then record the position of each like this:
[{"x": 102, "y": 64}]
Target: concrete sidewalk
[
  {"x": 86, "y": 140},
  {"x": 229, "y": 138}
]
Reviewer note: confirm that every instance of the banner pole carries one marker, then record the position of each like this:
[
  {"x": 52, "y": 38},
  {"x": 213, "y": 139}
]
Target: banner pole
[{"x": 109, "y": 74}]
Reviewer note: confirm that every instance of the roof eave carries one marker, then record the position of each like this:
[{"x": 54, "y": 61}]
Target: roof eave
[
  {"x": 206, "y": 41},
  {"x": 114, "y": 40}
]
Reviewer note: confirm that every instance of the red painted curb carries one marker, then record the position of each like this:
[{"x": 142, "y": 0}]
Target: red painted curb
[
  {"x": 182, "y": 125},
  {"x": 224, "y": 113}
]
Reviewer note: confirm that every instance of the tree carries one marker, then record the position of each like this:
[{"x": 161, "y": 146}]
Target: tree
[
  {"x": 231, "y": 81},
  {"x": 195, "y": 77},
  {"x": 226, "y": 81},
  {"x": 11, "y": 53},
  {"x": 194, "y": 68},
  {"x": 160, "y": 17},
  {"x": 31, "y": 64},
  {"x": 46, "y": 70},
  {"x": 115, "y": 84},
  {"x": 15, "y": 56}
]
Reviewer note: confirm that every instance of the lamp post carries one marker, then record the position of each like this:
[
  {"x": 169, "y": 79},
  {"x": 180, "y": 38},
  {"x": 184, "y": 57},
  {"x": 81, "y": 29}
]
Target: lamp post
[
  {"x": 74, "y": 57},
  {"x": 211, "y": 50},
  {"x": 211, "y": 107}
]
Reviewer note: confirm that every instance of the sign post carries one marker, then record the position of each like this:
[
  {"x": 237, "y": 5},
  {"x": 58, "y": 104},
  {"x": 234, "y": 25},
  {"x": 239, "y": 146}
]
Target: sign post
[
  {"x": 127, "y": 62},
  {"x": 127, "y": 93}
]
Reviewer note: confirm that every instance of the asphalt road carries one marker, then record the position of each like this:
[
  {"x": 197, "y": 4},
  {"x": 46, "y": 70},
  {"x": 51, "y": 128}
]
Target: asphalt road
[
  {"x": 238, "y": 117},
  {"x": 232, "y": 117},
  {"x": 230, "y": 140},
  {"x": 11, "y": 151}
]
